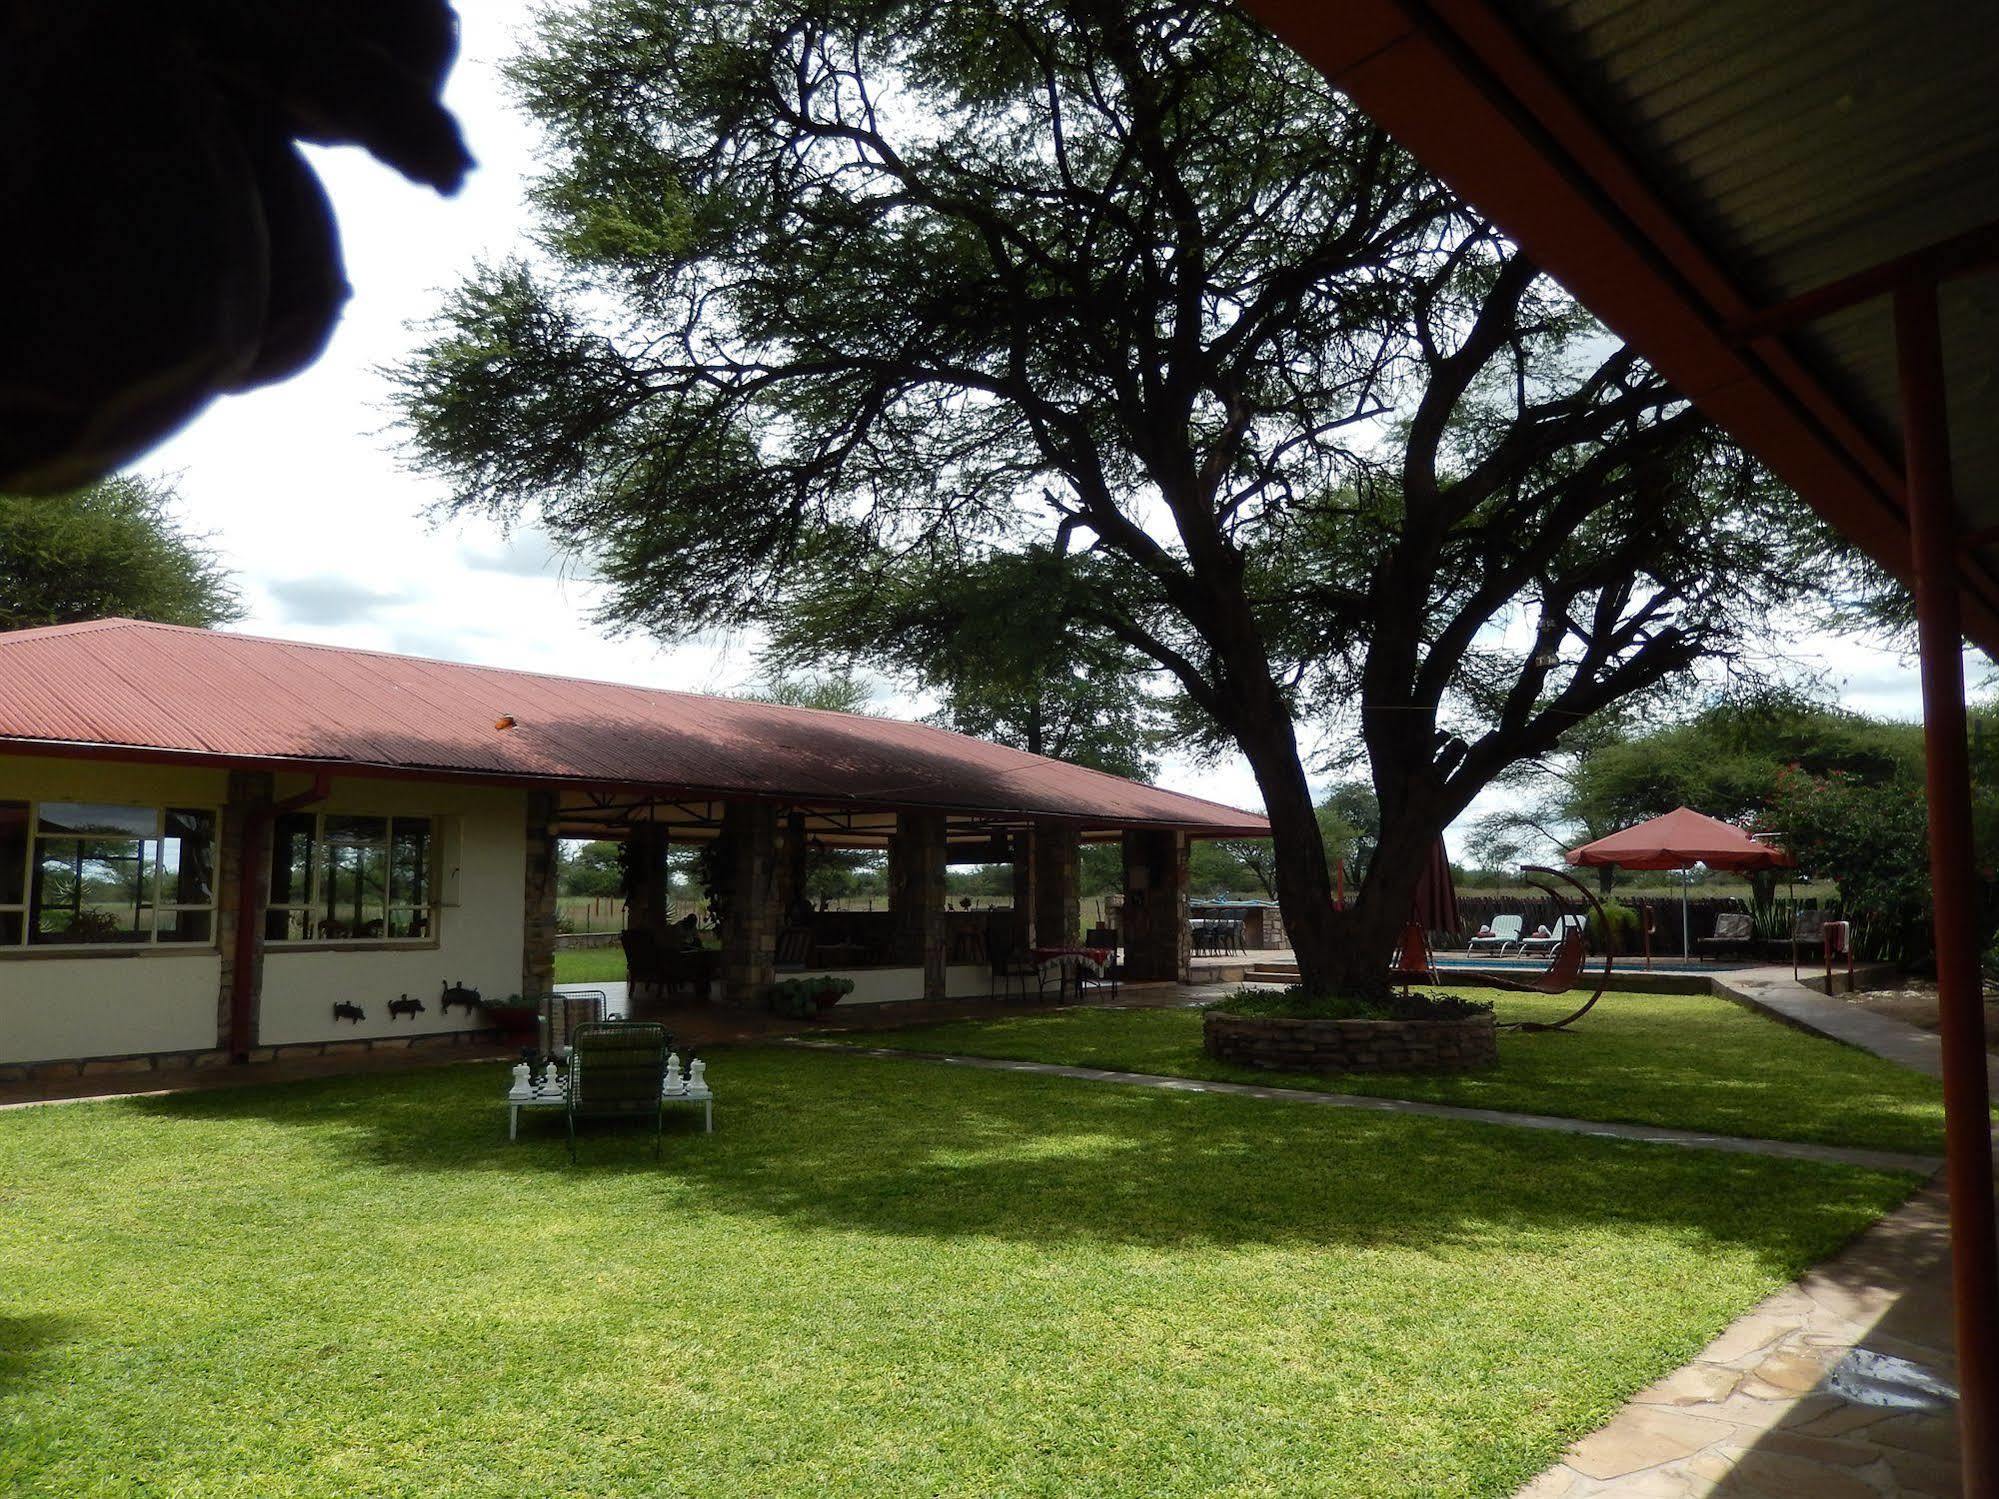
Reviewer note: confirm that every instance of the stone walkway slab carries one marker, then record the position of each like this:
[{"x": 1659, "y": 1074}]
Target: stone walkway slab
[
  {"x": 1781, "y": 1404},
  {"x": 1776, "y": 993},
  {"x": 1876, "y": 1160},
  {"x": 1769, "y": 1408}
]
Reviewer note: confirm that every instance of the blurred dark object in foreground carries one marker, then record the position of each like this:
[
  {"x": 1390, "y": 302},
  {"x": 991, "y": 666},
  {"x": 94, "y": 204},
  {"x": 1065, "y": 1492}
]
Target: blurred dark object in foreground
[{"x": 162, "y": 239}]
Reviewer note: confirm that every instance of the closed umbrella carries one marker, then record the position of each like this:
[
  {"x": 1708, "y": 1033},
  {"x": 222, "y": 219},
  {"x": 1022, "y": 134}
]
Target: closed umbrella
[{"x": 1436, "y": 908}]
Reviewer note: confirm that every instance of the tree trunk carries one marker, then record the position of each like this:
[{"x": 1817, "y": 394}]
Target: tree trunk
[
  {"x": 1373, "y": 925},
  {"x": 1301, "y": 880}
]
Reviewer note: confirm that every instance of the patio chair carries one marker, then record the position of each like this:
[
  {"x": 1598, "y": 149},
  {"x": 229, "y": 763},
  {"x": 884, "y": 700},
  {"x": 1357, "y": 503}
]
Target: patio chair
[
  {"x": 615, "y": 1071},
  {"x": 1102, "y": 936},
  {"x": 1734, "y": 932},
  {"x": 1088, "y": 983},
  {"x": 1413, "y": 963},
  {"x": 643, "y": 970},
  {"x": 689, "y": 968},
  {"x": 1807, "y": 932},
  {"x": 561, "y": 1014},
  {"x": 1505, "y": 932},
  {"x": 1007, "y": 965},
  {"x": 1563, "y": 926},
  {"x": 794, "y": 948}
]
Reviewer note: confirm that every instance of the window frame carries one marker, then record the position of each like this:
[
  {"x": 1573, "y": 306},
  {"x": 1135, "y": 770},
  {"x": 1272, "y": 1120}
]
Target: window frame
[
  {"x": 28, "y": 909},
  {"x": 429, "y": 910}
]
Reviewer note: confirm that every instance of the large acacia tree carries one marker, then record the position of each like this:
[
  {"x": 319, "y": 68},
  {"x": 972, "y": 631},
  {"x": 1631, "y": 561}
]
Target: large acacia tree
[{"x": 881, "y": 289}]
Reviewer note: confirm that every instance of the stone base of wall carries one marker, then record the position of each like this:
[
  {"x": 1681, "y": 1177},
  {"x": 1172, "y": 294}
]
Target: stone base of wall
[
  {"x": 201, "y": 1061},
  {"x": 1282, "y": 1044}
]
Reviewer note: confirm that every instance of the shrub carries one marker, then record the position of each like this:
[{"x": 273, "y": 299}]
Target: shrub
[
  {"x": 1294, "y": 1003},
  {"x": 1624, "y": 928},
  {"x": 806, "y": 997}
]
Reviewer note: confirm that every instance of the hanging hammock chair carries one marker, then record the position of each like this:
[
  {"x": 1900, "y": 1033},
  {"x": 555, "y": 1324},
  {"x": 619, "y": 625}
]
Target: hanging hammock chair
[{"x": 1564, "y": 973}]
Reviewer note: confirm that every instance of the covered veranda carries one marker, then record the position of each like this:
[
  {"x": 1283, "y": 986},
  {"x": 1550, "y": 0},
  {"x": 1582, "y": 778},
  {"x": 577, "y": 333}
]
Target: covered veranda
[
  {"x": 1793, "y": 212},
  {"x": 919, "y": 946}
]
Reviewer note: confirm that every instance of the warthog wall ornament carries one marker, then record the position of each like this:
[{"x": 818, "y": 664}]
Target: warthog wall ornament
[
  {"x": 342, "y": 1010},
  {"x": 405, "y": 1006},
  {"x": 458, "y": 994}
]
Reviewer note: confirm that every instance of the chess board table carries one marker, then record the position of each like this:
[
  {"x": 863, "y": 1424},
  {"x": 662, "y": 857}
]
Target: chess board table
[{"x": 554, "y": 1098}]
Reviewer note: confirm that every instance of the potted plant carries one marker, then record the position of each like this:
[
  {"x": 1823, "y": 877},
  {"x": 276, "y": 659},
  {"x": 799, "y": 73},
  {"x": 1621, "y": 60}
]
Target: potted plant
[
  {"x": 514, "y": 1016},
  {"x": 807, "y": 997}
]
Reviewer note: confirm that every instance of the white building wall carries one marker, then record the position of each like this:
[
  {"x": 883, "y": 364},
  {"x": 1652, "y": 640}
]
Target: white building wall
[
  {"x": 484, "y": 847},
  {"x": 122, "y": 1000},
  {"x": 874, "y": 986}
]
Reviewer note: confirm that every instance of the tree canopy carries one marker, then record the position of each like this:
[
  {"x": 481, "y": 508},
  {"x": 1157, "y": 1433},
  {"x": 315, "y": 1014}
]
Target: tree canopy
[
  {"x": 115, "y": 548},
  {"x": 903, "y": 296}
]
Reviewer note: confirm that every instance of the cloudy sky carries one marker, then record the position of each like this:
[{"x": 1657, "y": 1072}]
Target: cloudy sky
[{"x": 304, "y": 495}]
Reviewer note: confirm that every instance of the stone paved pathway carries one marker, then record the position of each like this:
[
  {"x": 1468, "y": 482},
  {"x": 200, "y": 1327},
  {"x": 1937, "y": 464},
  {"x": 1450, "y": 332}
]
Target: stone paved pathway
[
  {"x": 1880, "y": 1160},
  {"x": 1766, "y": 1410},
  {"x": 1775, "y": 992},
  {"x": 1758, "y": 1414}
]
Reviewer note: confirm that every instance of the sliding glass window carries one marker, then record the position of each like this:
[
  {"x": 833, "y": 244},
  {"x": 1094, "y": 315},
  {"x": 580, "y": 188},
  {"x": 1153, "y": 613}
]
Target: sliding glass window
[
  {"x": 100, "y": 874},
  {"x": 340, "y": 877}
]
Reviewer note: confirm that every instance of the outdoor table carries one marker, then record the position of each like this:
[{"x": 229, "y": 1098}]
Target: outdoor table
[
  {"x": 549, "y": 1094},
  {"x": 1067, "y": 962}
]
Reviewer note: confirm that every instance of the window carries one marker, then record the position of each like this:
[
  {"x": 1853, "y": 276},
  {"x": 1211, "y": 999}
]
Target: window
[
  {"x": 86, "y": 874},
  {"x": 338, "y": 877}
]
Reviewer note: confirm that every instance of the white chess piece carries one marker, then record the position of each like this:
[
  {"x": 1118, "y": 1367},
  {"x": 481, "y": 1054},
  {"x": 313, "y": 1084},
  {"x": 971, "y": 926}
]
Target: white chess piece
[
  {"x": 697, "y": 1077},
  {"x": 673, "y": 1081},
  {"x": 551, "y": 1079},
  {"x": 522, "y": 1088}
]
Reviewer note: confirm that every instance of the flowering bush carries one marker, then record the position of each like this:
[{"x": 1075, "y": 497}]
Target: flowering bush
[{"x": 1871, "y": 839}]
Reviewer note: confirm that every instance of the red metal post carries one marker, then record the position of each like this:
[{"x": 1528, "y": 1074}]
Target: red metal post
[{"x": 1968, "y": 1138}]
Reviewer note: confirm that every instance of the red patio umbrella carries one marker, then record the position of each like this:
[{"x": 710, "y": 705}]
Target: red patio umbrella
[{"x": 1679, "y": 840}]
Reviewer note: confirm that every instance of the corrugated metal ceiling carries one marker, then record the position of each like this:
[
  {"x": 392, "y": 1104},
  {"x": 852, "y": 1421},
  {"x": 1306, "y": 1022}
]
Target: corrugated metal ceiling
[{"x": 1808, "y": 142}]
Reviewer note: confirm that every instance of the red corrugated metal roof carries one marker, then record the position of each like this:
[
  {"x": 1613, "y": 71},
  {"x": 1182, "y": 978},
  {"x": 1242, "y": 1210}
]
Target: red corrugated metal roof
[{"x": 122, "y": 683}]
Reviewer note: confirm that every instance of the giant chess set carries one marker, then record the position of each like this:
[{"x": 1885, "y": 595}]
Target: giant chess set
[{"x": 678, "y": 1084}]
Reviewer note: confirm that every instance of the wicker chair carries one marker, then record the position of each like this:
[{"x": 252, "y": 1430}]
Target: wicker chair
[
  {"x": 561, "y": 1014},
  {"x": 1009, "y": 966},
  {"x": 615, "y": 1070}
]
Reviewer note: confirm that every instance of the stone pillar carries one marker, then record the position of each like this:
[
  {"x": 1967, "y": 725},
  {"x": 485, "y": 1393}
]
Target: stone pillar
[
  {"x": 1022, "y": 921},
  {"x": 916, "y": 896},
  {"x": 538, "y": 904},
  {"x": 791, "y": 868},
  {"x": 1156, "y": 944},
  {"x": 1058, "y": 911},
  {"x": 648, "y": 903},
  {"x": 243, "y": 852},
  {"x": 750, "y": 919}
]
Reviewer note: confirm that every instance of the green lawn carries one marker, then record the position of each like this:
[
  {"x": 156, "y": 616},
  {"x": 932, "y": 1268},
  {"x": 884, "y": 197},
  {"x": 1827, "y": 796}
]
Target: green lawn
[
  {"x": 877, "y": 1278},
  {"x": 590, "y": 965},
  {"x": 1688, "y": 1061}
]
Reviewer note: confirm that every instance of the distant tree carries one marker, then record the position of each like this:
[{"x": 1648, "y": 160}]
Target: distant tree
[
  {"x": 1724, "y": 760},
  {"x": 115, "y": 548},
  {"x": 1348, "y": 820},
  {"x": 1008, "y": 641},
  {"x": 590, "y": 869},
  {"x": 836, "y": 692}
]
